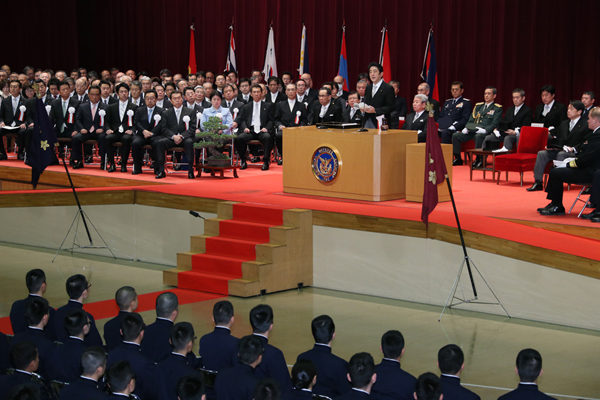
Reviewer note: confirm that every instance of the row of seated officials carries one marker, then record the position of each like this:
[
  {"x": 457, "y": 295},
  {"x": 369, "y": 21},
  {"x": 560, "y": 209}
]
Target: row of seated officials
[{"x": 157, "y": 362}]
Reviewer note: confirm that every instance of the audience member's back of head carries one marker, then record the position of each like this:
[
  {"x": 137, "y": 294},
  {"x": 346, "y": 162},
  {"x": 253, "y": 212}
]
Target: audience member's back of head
[
  {"x": 92, "y": 359},
  {"x": 261, "y": 318},
  {"x": 323, "y": 329},
  {"x": 166, "y": 303},
  {"x": 34, "y": 280},
  {"x": 303, "y": 374},
  {"x": 529, "y": 365},
  {"x": 222, "y": 312},
  {"x": 190, "y": 387},
  {"x": 182, "y": 334},
  {"x": 125, "y": 296},
  {"x": 76, "y": 285},
  {"x": 35, "y": 310},
  {"x": 450, "y": 359},
  {"x": 119, "y": 375},
  {"x": 132, "y": 325},
  {"x": 428, "y": 387},
  {"x": 361, "y": 368},
  {"x": 22, "y": 354},
  {"x": 24, "y": 392},
  {"x": 249, "y": 349},
  {"x": 267, "y": 389},
  {"x": 392, "y": 344},
  {"x": 75, "y": 321}
]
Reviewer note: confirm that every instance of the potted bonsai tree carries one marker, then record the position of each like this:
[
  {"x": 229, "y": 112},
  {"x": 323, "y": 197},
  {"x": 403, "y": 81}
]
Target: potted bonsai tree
[{"x": 212, "y": 138}]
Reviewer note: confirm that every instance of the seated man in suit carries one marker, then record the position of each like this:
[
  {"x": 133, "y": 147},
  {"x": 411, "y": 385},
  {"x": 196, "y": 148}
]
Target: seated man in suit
[
  {"x": 120, "y": 380},
  {"x": 579, "y": 170},
  {"x": 451, "y": 362},
  {"x": 529, "y": 368},
  {"x": 127, "y": 301},
  {"x": 392, "y": 381},
  {"x": 550, "y": 113},
  {"x": 301, "y": 93},
  {"x": 379, "y": 97},
  {"x": 89, "y": 123},
  {"x": 516, "y": 117},
  {"x": 66, "y": 358},
  {"x": 338, "y": 101},
  {"x": 13, "y": 114},
  {"x": 93, "y": 364},
  {"x": 219, "y": 348},
  {"x": 400, "y": 109},
  {"x": 106, "y": 96},
  {"x": 35, "y": 280},
  {"x": 428, "y": 387},
  {"x": 351, "y": 114},
  {"x": 288, "y": 113},
  {"x": 255, "y": 122},
  {"x": 230, "y": 100},
  {"x": 156, "y": 339},
  {"x": 148, "y": 131},
  {"x": 483, "y": 120},
  {"x": 80, "y": 90},
  {"x": 62, "y": 113},
  {"x": 161, "y": 100},
  {"x": 423, "y": 88},
  {"x": 244, "y": 95},
  {"x": 239, "y": 382},
  {"x": 362, "y": 376},
  {"x": 136, "y": 97},
  {"x": 189, "y": 97},
  {"x": 324, "y": 110},
  {"x": 417, "y": 120},
  {"x": 177, "y": 131},
  {"x": 333, "y": 370},
  {"x": 594, "y": 216},
  {"x": 274, "y": 95},
  {"x": 565, "y": 142},
  {"x": 340, "y": 82},
  {"x": 119, "y": 128},
  {"x": 361, "y": 89},
  {"x": 25, "y": 360},
  {"x": 78, "y": 290},
  {"x": 454, "y": 115},
  {"x": 587, "y": 98}
]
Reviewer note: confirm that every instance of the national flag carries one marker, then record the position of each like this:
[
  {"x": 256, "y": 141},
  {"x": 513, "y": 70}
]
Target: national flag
[
  {"x": 429, "y": 73},
  {"x": 192, "y": 63},
  {"x": 435, "y": 170},
  {"x": 231, "y": 63},
  {"x": 270, "y": 68},
  {"x": 40, "y": 153},
  {"x": 304, "y": 63},
  {"x": 384, "y": 56},
  {"x": 343, "y": 68}
]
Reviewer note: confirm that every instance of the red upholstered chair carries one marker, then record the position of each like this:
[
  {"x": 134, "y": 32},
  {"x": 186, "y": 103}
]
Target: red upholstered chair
[
  {"x": 531, "y": 140},
  {"x": 401, "y": 123},
  {"x": 464, "y": 146}
]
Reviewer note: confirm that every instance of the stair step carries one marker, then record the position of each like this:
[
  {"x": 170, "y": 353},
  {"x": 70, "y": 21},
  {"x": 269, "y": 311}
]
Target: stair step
[
  {"x": 244, "y": 230},
  {"x": 272, "y": 215},
  {"x": 218, "y": 265},
  {"x": 203, "y": 282}
]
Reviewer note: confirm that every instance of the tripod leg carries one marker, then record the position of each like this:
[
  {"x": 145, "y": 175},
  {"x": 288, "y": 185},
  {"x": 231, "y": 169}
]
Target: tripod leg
[
  {"x": 453, "y": 291},
  {"x": 66, "y": 236}
]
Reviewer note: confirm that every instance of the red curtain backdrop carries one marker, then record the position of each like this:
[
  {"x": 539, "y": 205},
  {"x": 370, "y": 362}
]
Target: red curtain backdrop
[{"x": 504, "y": 43}]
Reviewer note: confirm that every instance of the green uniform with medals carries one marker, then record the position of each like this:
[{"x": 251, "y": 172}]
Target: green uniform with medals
[{"x": 483, "y": 116}]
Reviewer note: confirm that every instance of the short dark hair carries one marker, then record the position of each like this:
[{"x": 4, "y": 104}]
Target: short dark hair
[
  {"x": 94, "y": 87},
  {"x": 548, "y": 88},
  {"x": 286, "y": 73},
  {"x": 187, "y": 88},
  {"x": 34, "y": 280},
  {"x": 132, "y": 325},
  {"x": 363, "y": 76},
  {"x": 591, "y": 94},
  {"x": 261, "y": 318},
  {"x": 303, "y": 373},
  {"x": 244, "y": 80},
  {"x": 267, "y": 389},
  {"x": 181, "y": 334},
  {"x": 165, "y": 72},
  {"x": 150, "y": 91},
  {"x": 24, "y": 392},
  {"x": 520, "y": 91},
  {"x": 75, "y": 321},
  {"x": 459, "y": 83},
  {"x": 392, "y": 344},
  {"x": 256, "y": 85},
  {"x": 428, "y": 387},
  {"x": 217, "y": 94},
  {"x": 529, "y": 365},
  {"x": 92, "y": 358},
  {"x": 326, "y": 89},
  {"x": 249, "y": 349},
  {"x": 17, "y": 82},
  {"x": 104, "y": 82},
  {"x": 64, "y": 83},
  {"x": 322, "y": 329},
  {"x": 577, "y": 104},
  {"x": 175, "y": 92},
  {"x": 273, "y": 79},
  {"x": 77, "y": 284},
  {"x": 121, "y": 85},
  {"x": 190, "y": 387},
  {"x": 35, "y": 310},
  {"x": 233, "y": 72},
  {"x": 137, "y": 84},
  {"x": 354, "y": 92},
  {"x": 166, "y": 303},
  {"x": 494, "y": 90},
  {"x": 171, "y": 84},
  {"x": 222, "y": 312},
  {"x": 361, "y": 368},
  {"x": 450, "y": 359},
  {"x": 376, "y": 65},
  {"x": 125, "y": 296},
  {"x": 119, "y": 375},
  {"x": 22, "y": 354}
]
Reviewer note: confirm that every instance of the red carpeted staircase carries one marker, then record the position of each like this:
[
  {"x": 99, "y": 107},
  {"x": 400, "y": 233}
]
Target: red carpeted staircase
[{"x": 249, "y": 249}]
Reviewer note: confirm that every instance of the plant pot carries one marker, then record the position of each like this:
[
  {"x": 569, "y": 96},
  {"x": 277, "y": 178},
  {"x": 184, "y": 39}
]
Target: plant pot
[{"x": 219, "y": 162}]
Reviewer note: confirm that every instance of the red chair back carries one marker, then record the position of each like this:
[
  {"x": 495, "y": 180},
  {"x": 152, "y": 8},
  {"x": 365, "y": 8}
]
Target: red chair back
[
  {"x": 532, "y": 140},
  {"x": 401, "y": 124}
]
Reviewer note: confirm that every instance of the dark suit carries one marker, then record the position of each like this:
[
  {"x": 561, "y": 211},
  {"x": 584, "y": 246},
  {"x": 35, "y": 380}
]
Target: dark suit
[
  {"x": 564, "y": 137},
  {"x": 240, "y": 97},
  {"x": 141, "y": 123},
  {"x": 455, "y": 112},
  {"x": 171, "y": 127},
  {"x": 81, "y": 99},
  {"x": 332, "y": 371},
  {"x": 119, "y": 126},
  {"x": 234, "y": 104},
  {"x": 236, "y": 383},
  {"x": 83, "y": 388},
  {"x": 219, "y": 349},
  {"x": 65, "y": 364},
  {"x": 452, "y": 390},
  {"x": 59, "y": 118},
  {"x": 112, "y": 331},
  {"x": 286, "y": 117},
  {"x": 333, "y": 114},
  {"x": 393, "y": 383},
  {"x": 83, "y": 120},
  {"x": 355, "y": 394},
  {"x": 166, "y": 104},
  {"x": 348, "y": 117},
  {"x": 595, "y": 192},
  {"x": 419, "y": 125},
  {"x": 311, "y": 95},
  {"x": 273, "y": 366},
  {"x": 19, "y": 321},
  {"x": 523, "y": 118},
  {"x": 5, "y": 352},
  {"x": 244, "y": 121},
  {"x": 143, "y": 367},
  {"x": 168, "y": 373},
  {"x": 554, "y": 117},
  {"x": 526, "y": 392},
  {"x": 93, "y": 338},
  {"x": 111, "y": 100},
  {"x": 9, "y": 382},
  {"x": 156, "y": 345},
  {"x": 383, "y": 102},
  {"x": 8, "y": 118},
  {"x": 44, "y": 345},
  {"x": 140, "y": 102},
  {"x": 399, "y": 111},
  {"x": 280, "y": 97}
]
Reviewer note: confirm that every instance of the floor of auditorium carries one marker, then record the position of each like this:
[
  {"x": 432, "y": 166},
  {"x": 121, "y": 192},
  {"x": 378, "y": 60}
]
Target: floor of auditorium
[{"x": 490, "y": 343}]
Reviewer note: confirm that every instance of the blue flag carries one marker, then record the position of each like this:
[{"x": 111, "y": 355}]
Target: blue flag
[{"x": 40, "y": 153}]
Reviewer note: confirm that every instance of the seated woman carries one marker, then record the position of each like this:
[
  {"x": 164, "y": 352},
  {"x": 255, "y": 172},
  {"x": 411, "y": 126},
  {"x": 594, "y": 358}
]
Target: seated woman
[{"x": 216, "y": 111}]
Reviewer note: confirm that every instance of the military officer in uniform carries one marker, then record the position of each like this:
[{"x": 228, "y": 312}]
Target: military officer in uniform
[
  {"x": 455, "y": 113},
  {"x": 483, "y": 120}
]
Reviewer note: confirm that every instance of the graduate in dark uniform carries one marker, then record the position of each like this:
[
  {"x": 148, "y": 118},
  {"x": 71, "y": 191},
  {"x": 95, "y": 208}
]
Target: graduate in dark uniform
[
  {"x": 428, "y": 387},
  {"x": 362, "y": 377},
  {"x": 66, "y": 358},
  {"x": 455, "y": 113},
  {"x": 239, "y": 382},
  {"x": 304, "y": 378},
  {"x": 120, "y": 380},
  {"x": 25, "y": 360},
  {"x": 89, "y": 385},
  {"x": 36, "y": 284},
  {"x": 393, "y": 383},
  {"x": 219, "y": 348},
  {"x": 127, "y": 300},
  {"x": 156, "y": 338},
  {"x": 529, "y": 368},
  {"x": 451, "y": 361},
  {"x": 190, "y": 387}
]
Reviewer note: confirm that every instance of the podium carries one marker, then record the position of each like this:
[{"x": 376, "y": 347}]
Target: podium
[
  {"x": 415, "y": 172},
  {"x": 346, "y": 163}
]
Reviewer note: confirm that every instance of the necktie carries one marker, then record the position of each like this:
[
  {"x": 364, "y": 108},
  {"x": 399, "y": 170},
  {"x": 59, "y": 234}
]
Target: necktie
[
  {"x": 64, "y": 108},
  {"x": 93, "y": 111},
  {"x": 121, "y": 111},
  {"x": 177, "y": 112},
  {"x": 150, "y": 114},
  {"x": 352, "y": 111},
  {"x": 416, "y": 117},
  {"x": 546, "y": 110},
  {"x": 15, "y": 103},
  {"x": 256, "y": 117},
  {"x": 454, "y": 102},
  {"x": 571, "y": 126}
]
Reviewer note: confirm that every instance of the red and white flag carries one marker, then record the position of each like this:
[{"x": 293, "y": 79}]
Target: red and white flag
[
  {"x": 270, "y": 68},
  {"x": 231, "y": 63},
  {"x": 384, "y": 56}
]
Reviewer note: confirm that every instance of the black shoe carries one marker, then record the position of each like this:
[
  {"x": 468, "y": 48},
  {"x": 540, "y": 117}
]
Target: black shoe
[
  {"x": 244, "y": 164},
  {"x": 265, "y": 166},
  {"x": 553, "y": 210},
  {"x": 152, "y": 165},
  {"x": 536, "y": 187},
  {"x": 161, "y": 175},
  {"x": 77, "y": 165},
  {"x": 595, "y": 219},
  {"x": 478, "y": 163},
  {"x": 124, "y": 168},
  {"x": 255, "y": 159},
  {"x": 136, "y": 171},
  {"x": 111, "y": 167},
  {"x": 191, "y": 174},
  {"x": 3, "y": 156},
  {"x": 590, "y": 205},
  {"x": 457, "y": 161},
  {"x": 587, "y": 190},
  {"x": 120, "y": 162},
  {"x": 102, "y": 165},
  {"x": 593, "y": 214},
  {"x": 20, "y": 156},
  {"x": 543, "y": 208},
  {"x": 177, "y": 167},
  {"x": 280, "y": 162},
  {"x": 89, "y": 159}
]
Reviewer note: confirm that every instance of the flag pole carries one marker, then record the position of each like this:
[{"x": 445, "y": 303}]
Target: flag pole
[{"x": 80, "y": 210}]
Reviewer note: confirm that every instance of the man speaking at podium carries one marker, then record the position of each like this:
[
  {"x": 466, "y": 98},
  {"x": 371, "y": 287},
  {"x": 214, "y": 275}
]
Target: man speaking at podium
[{"x": 379, "y": 97}]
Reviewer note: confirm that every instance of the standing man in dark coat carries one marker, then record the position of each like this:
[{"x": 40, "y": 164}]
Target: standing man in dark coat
[
  {"x": 379, "y": 97},
  {"x": 451, "y": 361}
]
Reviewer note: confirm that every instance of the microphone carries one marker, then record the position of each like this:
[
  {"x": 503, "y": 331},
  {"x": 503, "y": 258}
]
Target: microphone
[{"x": 195, "y": 214}]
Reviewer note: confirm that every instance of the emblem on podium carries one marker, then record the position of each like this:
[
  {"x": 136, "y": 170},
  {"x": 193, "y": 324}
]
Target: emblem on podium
[{"x": 325, "y": 164}]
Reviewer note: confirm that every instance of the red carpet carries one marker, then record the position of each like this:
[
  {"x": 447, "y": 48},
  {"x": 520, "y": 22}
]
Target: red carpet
[
  {"x": 236, "y": 243},
  {"x": 146, "y": 302}
]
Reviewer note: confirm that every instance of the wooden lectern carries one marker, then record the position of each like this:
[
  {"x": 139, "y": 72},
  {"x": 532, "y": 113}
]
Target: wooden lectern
[
  {"x": 415, "y": 172},
  {"x": 370, "y": 166}
]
